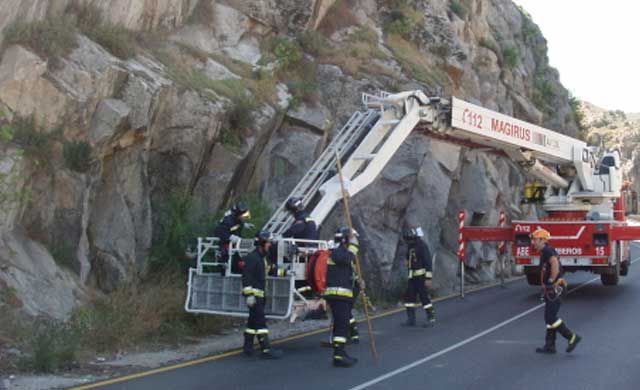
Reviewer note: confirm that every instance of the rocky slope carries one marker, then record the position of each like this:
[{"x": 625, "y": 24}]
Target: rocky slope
[
  {"x": 615, "y": 129},
  {"x": 212, "y": 100}
]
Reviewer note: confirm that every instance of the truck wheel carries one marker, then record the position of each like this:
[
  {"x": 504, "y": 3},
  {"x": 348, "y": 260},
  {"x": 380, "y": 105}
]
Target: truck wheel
[
  {"x": 624, "y": 268},
  {"x": 611, "y": 279},
  {"x": 533, "y": 279}
]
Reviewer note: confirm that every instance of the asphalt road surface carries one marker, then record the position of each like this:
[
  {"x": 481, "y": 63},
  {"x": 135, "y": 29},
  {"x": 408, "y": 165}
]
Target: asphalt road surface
[{"x": 484, "y": 341}]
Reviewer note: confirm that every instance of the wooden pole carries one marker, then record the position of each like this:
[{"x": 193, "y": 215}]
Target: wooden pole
[{"x": 345, "y": 199}]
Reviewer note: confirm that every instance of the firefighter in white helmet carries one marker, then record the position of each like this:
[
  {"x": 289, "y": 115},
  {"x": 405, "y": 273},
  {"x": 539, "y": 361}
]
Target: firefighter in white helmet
[{"x": 420, "y": 276}]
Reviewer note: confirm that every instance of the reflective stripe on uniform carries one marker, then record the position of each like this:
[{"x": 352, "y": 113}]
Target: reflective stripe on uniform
[
  {"x": 429, "y": 275},
  {"x": 282, "y": 272},
  {"x": 339, "y": 291},
  {"x": 409, "y": 304},
  {"x": 330, "y": 262},
  {"x": 354, "y": 248},
  {"x": 258, "y": 293},
  {"x": 304, "y": 289},
  {"x": 429, "y": 306},
  {"x": 247, "y": 290},
  {"x": 236, "y": 227},
  {"x": 262, "y": 331},
  {"x": 417, "y": 272},
  {"x": 352, "y": 321},
  {"x": 339, "y": 340},
  {"x": 555, "y": 324},
  {"x": 250, "y": 331}
]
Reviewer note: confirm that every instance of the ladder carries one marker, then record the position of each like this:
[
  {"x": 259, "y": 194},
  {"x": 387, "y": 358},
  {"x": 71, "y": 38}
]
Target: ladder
[{"x": 324, "y": 167}]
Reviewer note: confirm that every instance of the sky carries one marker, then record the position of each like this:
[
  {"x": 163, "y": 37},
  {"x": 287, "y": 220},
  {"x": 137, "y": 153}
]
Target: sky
[{"x": 595, "y": 45}]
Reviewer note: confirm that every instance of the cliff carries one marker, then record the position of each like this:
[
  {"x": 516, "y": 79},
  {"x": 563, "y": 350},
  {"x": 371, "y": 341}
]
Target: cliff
[{"x": 127, "y": 124}]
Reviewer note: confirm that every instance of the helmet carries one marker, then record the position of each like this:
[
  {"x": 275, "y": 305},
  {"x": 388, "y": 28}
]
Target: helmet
[
  {"x": 295, "y": 204},
  {"x": 342, "y": 234},
  {"x": 410, "y": 234},
  {"x": 541, "y": 233},
  {"x": 262, "y": 237},
  {"x": 240, "y": 209}
]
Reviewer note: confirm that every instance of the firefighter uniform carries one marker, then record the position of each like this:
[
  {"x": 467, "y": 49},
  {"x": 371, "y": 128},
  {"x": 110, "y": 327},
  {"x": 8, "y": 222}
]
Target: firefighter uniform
[
  {"x": 552, "y": 294},
  {"x": 253, "y": 285},
  {"x": 231, "y": 225},
  {"x": 420, "y": 270},
  {"x": 339, "y": 295},
  {"x": 303, "y": 227}
]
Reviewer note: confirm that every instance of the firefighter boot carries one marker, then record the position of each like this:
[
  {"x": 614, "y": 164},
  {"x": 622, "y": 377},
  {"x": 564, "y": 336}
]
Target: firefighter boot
[
  {"x": 411, "y": 317},
  {"x": 354, "y": 335},
  {"x": 549, "y": 343},
  {"x": 267, "y": 351},
  {"x": 247, "y": 348},
  {"x": 340, "y": 357},
  {"x": 572, "y": 337},
  {"x": 431, "y": 317}
]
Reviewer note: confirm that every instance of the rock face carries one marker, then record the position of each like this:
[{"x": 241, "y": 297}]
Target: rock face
[{"x": 238, "y": 98}]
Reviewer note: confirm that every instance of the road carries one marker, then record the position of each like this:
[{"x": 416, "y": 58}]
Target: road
[{"x": 484, "y": 341}]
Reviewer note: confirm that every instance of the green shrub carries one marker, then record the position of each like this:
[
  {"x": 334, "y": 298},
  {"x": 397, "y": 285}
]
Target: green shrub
[
  {"x": 116, "y": 39},
  {"x": 401, "y": 26},
  {"x": 33, "y": 139},
  {"x": 510, "y": 56},
  {"x": 51, "y": 345},
  {"x": 288, "y": 53},
  {"x": 63, "y": 254},
  {"x": 50, "y": 38},
  {"x": 457, "y": 8},
  {"x": 239, "y": 115},
  {"x": 578, "y": 115},
  {"x": 6, "y": 129},
  {"x": 486, "y": 43},
  {"x": 313, "y": 42},
  {"x": 543, "y": 92},
  {"x": 77, "y": 155},
  {"x": 176, "y": 229},
  {"x": 441, "y": 50}
]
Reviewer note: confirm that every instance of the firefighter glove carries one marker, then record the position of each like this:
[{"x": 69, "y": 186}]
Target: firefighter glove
[{"x": 251, "y": 301}]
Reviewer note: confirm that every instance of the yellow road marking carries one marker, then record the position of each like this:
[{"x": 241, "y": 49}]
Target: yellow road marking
[{"x": 239, "y": 350}]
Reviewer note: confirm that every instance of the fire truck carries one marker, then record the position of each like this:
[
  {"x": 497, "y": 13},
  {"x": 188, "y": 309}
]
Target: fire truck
[{"x": 580, "y": 193}]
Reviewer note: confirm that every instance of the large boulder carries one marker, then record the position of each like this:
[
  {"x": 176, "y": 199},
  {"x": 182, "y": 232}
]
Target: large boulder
[
  {"x": 21, "y": 73},
  {"x": 30, "y": 273}
]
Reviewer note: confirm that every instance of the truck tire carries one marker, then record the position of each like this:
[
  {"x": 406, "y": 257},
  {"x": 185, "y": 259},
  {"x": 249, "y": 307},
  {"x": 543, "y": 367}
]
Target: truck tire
[
  {"x": 624, "y": 268},
  {"x": 611, "y": 279},
  {"x": 533, "y": 279}
]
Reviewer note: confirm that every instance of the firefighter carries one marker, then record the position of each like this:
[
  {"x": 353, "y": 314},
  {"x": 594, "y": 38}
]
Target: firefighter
[
  {"x": 303, "y": 227},
  {"x": 229, "y": 230},
  {"x": 339, "y": 295},
  {"x": 420, "y": 275},
  {"x": 254, "y": 276},
  {"x": 553, "y": 285}
]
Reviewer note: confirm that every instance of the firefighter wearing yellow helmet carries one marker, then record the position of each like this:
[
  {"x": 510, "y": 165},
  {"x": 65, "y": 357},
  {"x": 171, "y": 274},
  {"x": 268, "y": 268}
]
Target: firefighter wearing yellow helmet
[{"x": 553, "y": 286}]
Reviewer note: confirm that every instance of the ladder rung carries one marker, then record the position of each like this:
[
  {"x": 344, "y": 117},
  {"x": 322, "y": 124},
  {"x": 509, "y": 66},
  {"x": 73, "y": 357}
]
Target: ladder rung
[{"x": 365, "y": 157}]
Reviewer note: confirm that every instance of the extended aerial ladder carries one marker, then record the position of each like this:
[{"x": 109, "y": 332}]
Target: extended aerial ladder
[{"x": 366, "y": 143}]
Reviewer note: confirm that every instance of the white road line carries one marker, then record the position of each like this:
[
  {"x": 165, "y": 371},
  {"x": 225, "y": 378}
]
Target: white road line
[{"x": 458, "y": 345}]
